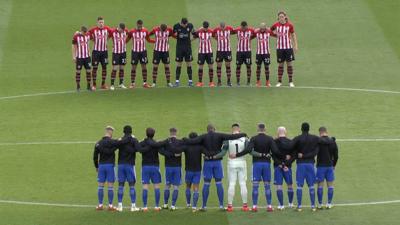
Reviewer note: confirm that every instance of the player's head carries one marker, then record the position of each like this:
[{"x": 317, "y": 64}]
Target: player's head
[
  {"x": 261, "y": 128},
  {"x": 100, "y": 22},
  {"x": 83, "y": 29},
  {"x": 184, "y": 21},
  {"x": 206, "y": 25},
  {"x": 282, "y": 17},
  {"x": 139, "y": 24},
  {"x": 193, "y": 135},
  {"x": 235, "y": 128},
  {"x": 121, "y": 27},
  {"x": 323, "y": 131},
  {"x": 163, "y": 27},
  {"x": 210, "y": 128},
  {"x": 109, "y": 131},
  {"x": 222, "y": 25},
  {"x": 127, "y": 129},
  {"x": 150, "y": 132},
  {"x": 282, "y": 132},
  {"x": 173, "y": 131},
  {"x": 263, "y": 27},
  {"x": 243, "y": 25},
  {"x": 305, "y": 127}
]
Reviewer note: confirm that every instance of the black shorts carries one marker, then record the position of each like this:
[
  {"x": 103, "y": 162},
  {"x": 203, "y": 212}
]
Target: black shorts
[
  {"x": 205, "y": 57},
  {"x": 99, "y": 57},
  {"x": 119, "y": 59},
  {"x": 85, "y": 62},
  {"x": 243, "y": 57},
  {"x": 184, "y": 53},
  {"x": 139, "y": 57},
  {"x": 263, "y": 58},
  {"x": 160, "y": 56},
  {"x": 285, "y": 55},
  {"x": 223, "y": 56}
]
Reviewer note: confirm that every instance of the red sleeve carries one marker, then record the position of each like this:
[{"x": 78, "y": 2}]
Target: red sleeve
[
  {"x": 110, "y": 32},
  {"x": 74, "y": 41},
  {"x": 148, "y": 37},
  {"x": 171, "y": 32},
  {"x": 291, "y": 28},
  {"x": 214, "y": 32},
  {"x": 253, "y": 33},
  {"x": 234, "y": 31},
  {"x": 273, "y": 27},
  {"x": 271, "y": 33},
  {"x": 152, "y": 31}
]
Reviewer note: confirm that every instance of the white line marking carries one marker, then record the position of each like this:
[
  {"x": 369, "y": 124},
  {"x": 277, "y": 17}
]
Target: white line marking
[
  {"x": 298, "y": 87},
  {"x": 93, "y": 206},
  {"x": 93, "y": 142}
]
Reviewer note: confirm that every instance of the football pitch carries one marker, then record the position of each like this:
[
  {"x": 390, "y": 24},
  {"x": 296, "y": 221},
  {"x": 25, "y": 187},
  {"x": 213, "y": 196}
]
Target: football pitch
[{"x": 346, "y": 74}]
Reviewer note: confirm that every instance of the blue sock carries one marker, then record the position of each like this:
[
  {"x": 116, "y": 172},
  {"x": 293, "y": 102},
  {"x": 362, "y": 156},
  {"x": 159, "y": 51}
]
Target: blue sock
[
  {"x": 299, "y": 195},
  {"x": 220, "y": 192},
  {"x": 166, "y": 196},
  {"x": 120, "y": 193},
  {"x": 206, "y": 191},
  {"x": 268, "y": 195},
  {"x": 195, "y": 198},
  {"x": 132, "y": 193},
  {"x": 290, "y": 194},
  {"x": 110, "y": 195},
  {"x": 312, "y": 196},
  {"x": 174, "y": 196},
  {"x": 188, "y": 195},
  {"x": 330, "y": 194},
  {"x": 100, "y": 194},
  {"x": 157, "y": 194},
  {"x": 320, "y": 194},
  {"x": 144, "y": 197},
  {"x": 279, "y": 194},
  {"x": 255, "y": 194}
]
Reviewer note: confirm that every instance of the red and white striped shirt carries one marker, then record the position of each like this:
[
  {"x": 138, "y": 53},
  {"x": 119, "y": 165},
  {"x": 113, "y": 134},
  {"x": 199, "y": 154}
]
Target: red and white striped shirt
[
  {"x": 139, "y": 38},
  {"x": 263, "y": 41},
  {"x": 283, "y": 32},
  {"x": 82, "y": 45},
  {"x": 100, "y": 37},
  {"x": 161, "y": 39},
  {"x": 119, "y": 40},
  {"x": 205, "y": 37},
  {"x": 244, "y": 39},
  {"x": 223, "y": 38}
]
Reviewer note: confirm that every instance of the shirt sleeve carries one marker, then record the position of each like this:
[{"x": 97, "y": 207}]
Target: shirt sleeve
[
  {"x": 96, "y": 156},
  {"x": 291, "y": 28}
]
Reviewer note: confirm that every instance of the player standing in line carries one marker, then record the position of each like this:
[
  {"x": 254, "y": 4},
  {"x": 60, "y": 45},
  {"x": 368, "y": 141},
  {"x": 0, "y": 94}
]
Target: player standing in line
[
  {"x": 139, "y": 36},
  {"x": 119, "y": 37},
  {"x": 182, "y": 31},
  {"x": 204, "y": 35},
  {"x": 237, "y": 167},
  {"x": 326, "y": 162},
  {"x": 100, "y": 35},
  {"x": 212, "y": 168},
  {"x": 286, "y": 46},
  {"x": 306, "y": 148},
  {"x": 261, "y": 146},
  {"x": 81, "y": 56},
  {"x": 243, "y": 51},
  {"x": 283, "y": 160},
  {"x": 224, "y": 53},
  {"x": 161, "y": 51},
  {"x": 263, "y": 53}
]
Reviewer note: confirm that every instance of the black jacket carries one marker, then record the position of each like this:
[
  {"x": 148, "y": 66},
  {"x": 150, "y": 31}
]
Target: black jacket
[{"x": 328, "y": 152}]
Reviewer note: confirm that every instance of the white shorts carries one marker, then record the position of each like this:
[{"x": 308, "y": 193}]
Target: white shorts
[{"x": 237, "y": 171}]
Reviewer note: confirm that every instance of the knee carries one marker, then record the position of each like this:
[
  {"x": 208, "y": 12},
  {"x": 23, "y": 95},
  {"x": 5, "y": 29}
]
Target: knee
[
  {"x": 131, "y": 184},
  {"x": 121, "y": 184}
]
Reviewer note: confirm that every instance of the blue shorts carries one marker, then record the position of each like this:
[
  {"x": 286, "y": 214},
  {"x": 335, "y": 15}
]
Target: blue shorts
[
  {"x": 262, "y": 171},
  {"x": 106, "y": 173},
  {"x": 126, "y": 173},
  {"x": 173, "y": 175},
  {"x": 280, "y": 174},
  {"x": 325, "y": 173},
  {"x": 305, "y": 171},
  {"x": 151, "y": 173},
  {"x": 213, "y": 169},
  {"x": 193, "y": 177}
]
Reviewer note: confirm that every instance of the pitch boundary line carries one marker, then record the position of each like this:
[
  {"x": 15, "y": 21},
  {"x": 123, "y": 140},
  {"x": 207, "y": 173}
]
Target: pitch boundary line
[
  {"x": 298, "y": 87},
  {"x": 93, "y": 206}
]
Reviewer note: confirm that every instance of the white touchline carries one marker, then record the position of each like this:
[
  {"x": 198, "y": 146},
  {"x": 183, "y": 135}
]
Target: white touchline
[
  {"x": 298, "y": 87},
  {"x": 92, "y": 206}
]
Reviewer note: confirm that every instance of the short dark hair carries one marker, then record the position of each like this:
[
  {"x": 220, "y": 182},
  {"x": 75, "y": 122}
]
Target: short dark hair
[
  {"x": 261, "y": 126},
  {"x": 210, "y": 127},
  {"x": 281, "y": 12},
  {"x": 206, "y": 24},
  {"x": 150, "y": 132},
  {"x": 243, "y": 23},
  {"x": 83, "y": 28},
  {"x": 127, "y": 129},
  {"x": 305, "y": 127},
  {"x": 193, "y": 135},
  {"x": 173, "y": 130},
  {"x": 184, "y": 20},
  {"x": 122, "y": 26},
  {"x": 322, "y": 129},
  {"x": 140, "y": 22},
  {"x": 235, "y": 125},
  {"x": 100, "y": 18}
]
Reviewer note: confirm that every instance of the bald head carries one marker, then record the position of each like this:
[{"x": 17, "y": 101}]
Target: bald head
[{"x": 282, "y": 132}]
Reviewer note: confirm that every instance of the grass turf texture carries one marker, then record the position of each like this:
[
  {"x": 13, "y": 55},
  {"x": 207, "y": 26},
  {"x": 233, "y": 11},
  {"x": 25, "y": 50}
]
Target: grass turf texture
[{"x": 342, "y": 44}]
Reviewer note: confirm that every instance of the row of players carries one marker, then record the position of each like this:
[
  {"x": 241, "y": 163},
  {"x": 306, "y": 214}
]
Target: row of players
[
  {"x": 185, "y": 33},
  {"x": 213, "y": 146}
]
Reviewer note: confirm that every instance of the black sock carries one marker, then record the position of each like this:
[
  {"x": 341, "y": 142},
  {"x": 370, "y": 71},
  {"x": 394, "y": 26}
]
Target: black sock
[
  {"x": 189, "y": 72},
  {"x": 178, "y": 72}
]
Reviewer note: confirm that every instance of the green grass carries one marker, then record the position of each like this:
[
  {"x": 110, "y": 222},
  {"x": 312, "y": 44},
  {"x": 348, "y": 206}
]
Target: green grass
[{"x": 342, "y": 43}]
